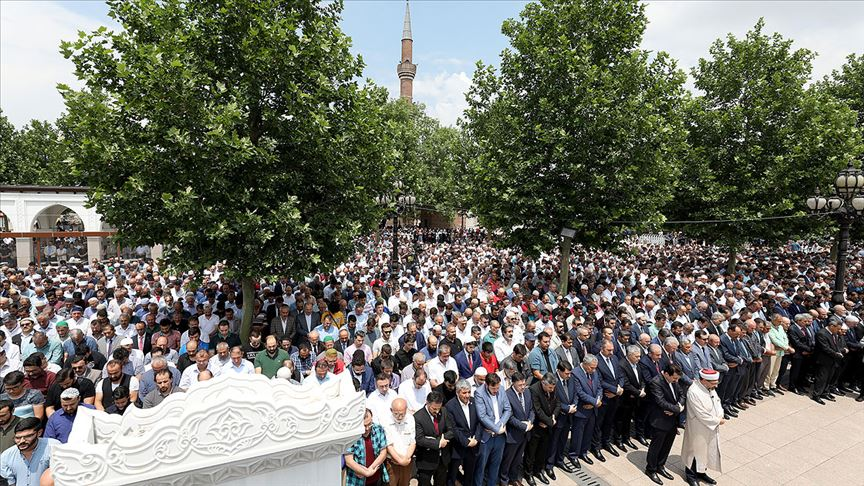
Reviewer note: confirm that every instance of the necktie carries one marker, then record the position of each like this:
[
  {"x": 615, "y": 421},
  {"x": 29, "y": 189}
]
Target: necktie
[
  {"x": 470, "y": 363},
  {"x": 657, "y": 367},
  {"x": 609, "y": 364},
  {"x": 590, "y": 381},
  {"x": 548, "y": 364},
  {"x": 564, "y": 387},
  {"x": 140, "y": 343},
  {"x": 109, "y": 345},
  {"x": 522, "y": 401},
  {"x": 635, "y": 373},
  {"x": 435, "y": 424}
]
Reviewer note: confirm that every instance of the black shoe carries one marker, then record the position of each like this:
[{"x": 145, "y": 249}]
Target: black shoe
[
  {"x": 663, "y": 472},
  {"x": 564, "y": 467},
  {"x": 777, "y": 391},
  {"x": 799, "y": 392},
  {"x": 611, "y": 450},
  {"x": 733, "y": 408},
  {"x": 860, "y": 398},
  {"x": 750, "y": 401},
  {"x": 541, "y": 477},
  {"x": 551, "y": 474},
  {"x": 629, "y": 443},
  {"x": 586, "y": 459},
  {"x": 642, "y": 441},
  {"x": 653, "y": 477},
  {"x": 818, "y": 400},
  {"x": 732, "y": 413},
  {"x": 757, "y": 396},
  {"x": 621, "y": 447},
  {"x": 705, "y": 478},
  {"x": 691, "y": 482},
  {"x": 769, "y": 393},
  {"x": 574, "y": 463},
  {"x": 843, "y": 390},
  {"x": 829, "y": 397},
  {"x": 726, "y": 416},
  {"x": 599, "y": 455},
  {"x": 530, "y": 480}
]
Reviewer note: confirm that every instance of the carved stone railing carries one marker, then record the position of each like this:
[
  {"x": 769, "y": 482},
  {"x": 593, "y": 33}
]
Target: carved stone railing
[{"x": 232, "y": 430}]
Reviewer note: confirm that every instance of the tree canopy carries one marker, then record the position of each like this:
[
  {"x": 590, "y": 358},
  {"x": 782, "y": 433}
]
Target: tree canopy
[
  {"x": 34, "y": 155},
  {"x": 761, "y": 140},
  {"x": 233, "y": 131},
  {"x": 580, "y": 129},
  {"x": 847, "y": 84}
]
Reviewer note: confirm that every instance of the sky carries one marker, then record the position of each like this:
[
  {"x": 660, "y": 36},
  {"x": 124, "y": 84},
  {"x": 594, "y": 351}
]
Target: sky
[{"x": 450, "y": 36}]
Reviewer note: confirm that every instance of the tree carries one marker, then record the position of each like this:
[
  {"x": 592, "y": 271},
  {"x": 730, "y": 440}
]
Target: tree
[
  {"x": 232, "y": 131},
  {"x": 426, "y": 156},
  {"x": 34, "y": 155},
  {"x": 761, "y": 142},
  {"x": 847, "y": 84},
  {"x": 581, "y": 128}
]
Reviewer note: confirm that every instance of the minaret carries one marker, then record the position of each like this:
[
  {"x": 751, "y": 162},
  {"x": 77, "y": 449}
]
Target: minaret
[{"x": 406, "y": 69}]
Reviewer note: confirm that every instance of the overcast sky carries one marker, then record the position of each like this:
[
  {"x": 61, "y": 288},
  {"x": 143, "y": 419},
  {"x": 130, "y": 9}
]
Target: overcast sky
[{"x": 449, "y": 38}]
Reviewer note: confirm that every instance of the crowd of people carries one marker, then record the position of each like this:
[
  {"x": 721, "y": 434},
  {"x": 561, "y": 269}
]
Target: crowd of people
[{"x": 477, "y": 369}]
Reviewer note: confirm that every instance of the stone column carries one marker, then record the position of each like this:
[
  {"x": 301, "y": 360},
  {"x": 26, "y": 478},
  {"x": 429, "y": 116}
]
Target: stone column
[
  {"x": 23, "y": 251},
  {"x": 94, "y": 248},
  {"x": 156, "y": 252}
]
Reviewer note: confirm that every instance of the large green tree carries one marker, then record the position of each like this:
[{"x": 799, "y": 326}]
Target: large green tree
[
  {"x": 232, "y": 130},
  {"x": 34, "y": 155},
  {"x": 581, "y": 128},
  {"x": 761, "y": 141},
  {"x": 847, "y": 84}
]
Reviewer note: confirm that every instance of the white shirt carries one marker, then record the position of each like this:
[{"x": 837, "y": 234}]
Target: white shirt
[
  {"x": 609, "y": 365},
  {"x": 435, "y": 369},
  {"x": 380, "y": 405},
  {"x": 393, "y": 342},
  {"x": 245, "y": 368},
  {"x": 13, "y": 352},
  {"x": 400, "y": 434},
  {"x": 190, "y": 376},
  {"x": 207, "y": 325},
  {"x": 133, "y": 385},
  {"x": 415, "y": 397},
  {"x": 503, "y": 348},
  {"x": 467, "y": 411}
]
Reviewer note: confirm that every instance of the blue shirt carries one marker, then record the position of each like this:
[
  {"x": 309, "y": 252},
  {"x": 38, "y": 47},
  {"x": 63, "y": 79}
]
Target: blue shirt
[
  {"x": 60, "y": 424},
  {"x": 21, "y": 472}
]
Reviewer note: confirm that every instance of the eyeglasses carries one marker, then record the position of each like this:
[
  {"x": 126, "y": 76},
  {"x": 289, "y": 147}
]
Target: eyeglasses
[{"x": 19, "y": 438}]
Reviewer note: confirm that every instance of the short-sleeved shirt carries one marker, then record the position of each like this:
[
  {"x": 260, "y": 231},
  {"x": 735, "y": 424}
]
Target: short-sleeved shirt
[
  {"x": 24, "y": 404},
  {"x": 86, "y": 388},
  {"x": 270, "y": 365},
  {"x": 21, "y": 472}
]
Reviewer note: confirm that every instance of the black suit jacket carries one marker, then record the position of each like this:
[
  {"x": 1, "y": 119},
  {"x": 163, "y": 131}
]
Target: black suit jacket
[
  {"x": 428, "y": 454},
  {"x": 462, "y": 429},
  {"x": 545, "y": 406},
  {"x": 148, "y": 345},
  {"x": 828, "y": 348},
  {"x": 664, "y": 401},
  {"x": 300, "y": 325},
  {"x": 799, "y": 341},
  {"x": 633, "y": 385},
  {"x": 515, "y": 426},
  {"x": 276, "y": 330}
]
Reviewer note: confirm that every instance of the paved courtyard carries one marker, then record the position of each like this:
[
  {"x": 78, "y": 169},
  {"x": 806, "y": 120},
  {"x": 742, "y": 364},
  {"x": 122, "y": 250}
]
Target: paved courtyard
[{"x": 786, "y": 440}]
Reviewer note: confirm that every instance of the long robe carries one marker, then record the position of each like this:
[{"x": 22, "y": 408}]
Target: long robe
[{"x": 701, "y": 434}]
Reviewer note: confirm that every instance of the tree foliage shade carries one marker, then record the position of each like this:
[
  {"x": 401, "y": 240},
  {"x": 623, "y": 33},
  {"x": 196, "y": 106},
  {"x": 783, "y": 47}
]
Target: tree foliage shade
[
  {"x": 231, "y": 130},
  {"x": 761, "y": 140},
  {"x": 34, "y": 155},
  {"x": 580, "y": 128}
]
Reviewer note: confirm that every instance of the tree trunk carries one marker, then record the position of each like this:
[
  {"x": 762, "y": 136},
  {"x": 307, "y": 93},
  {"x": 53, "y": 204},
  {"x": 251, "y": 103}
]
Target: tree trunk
[
  {"x": 731, "y": 262},
  {"x": 248, "y": 285},
  {"x": 564, "y": 266}
]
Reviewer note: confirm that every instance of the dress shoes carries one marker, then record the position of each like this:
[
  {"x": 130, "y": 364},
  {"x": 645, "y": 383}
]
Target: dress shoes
[
  {"x": 818, "y": 400},
  {"x": 599, "y": 455},
  {"x": 621, "y": 447},
  {"x": 629, "y": 443},
  {"x": 530, "y": 480},
  {"x": 564, "y": 467},
  {"x": 750, "y": 401},
  {"x": 705, "y": 478},
  {"x": 574, "y": 463},
  {"x": 798, "y": 391},
  {"x": 733, "y": 408},
  {"x": 843, "y": 390},
  {"x": 663, "y": 472},
  {"x": 586, "y": 459},
  {"x": 742, "y": 405},
  {"x": 542, "y": 477},
  {"x": 758, "y": 396},
  {"x": 828, "y": 397},
  {"x": 691, "y": 482},
  {"x": 860, "y": 398},
  {"x": 726, "y": 416},
  {"x": 732, "y": 413},
  {"x": 550, "y": 473},
  {"x": 642, "y": 441},
  {"x": 777, "y": 391},
  {"x": 653, "y": 477},
  {"x": 769, "y": 393},
  {"x": 611, "y": 450}
]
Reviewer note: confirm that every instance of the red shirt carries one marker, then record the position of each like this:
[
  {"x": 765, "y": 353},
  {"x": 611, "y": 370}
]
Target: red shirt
[
  {"x": 491, "y": 365},
  {"x": 42, "y": 383}
]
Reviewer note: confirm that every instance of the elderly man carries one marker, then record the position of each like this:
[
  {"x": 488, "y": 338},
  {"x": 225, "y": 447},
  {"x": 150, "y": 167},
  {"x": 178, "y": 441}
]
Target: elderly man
[
  {"x": 164, "y": 387},
  {"x": 701, "y": 446},
  {"x": 60, "y": 423},
  {"x": 441, "y": 364},
  {"x": 401, "y": 442},
  {"x": 829, "y": 355},
  {"x": 238, "y": 364},
  {"x": 50, "y": 348},
  {"x": 148, "y": 378},
  {"x": 190, "y": 375},
  {"x": 631, "y": 400}
]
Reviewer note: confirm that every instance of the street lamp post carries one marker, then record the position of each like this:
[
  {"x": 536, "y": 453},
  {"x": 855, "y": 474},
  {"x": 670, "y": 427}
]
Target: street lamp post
[
  {"x": 398, "y": 203},
  {"x": 847, "y": 206}
]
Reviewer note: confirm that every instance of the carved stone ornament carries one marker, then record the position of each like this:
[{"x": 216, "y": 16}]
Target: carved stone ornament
[{"x": 221, "y": 431}]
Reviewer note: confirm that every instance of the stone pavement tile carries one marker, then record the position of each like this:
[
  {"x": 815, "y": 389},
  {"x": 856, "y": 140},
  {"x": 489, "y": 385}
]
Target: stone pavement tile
[
  {"x": 778, "y": 434},
  {"x": 832, "y": 474},
  {"x": 747, "y": 475},
  {"x": 751, "y": 443},
  {"x": 768, "y": 467},
  {"x": 798, "y": 455},
  {"x": 734, "y": 457}
]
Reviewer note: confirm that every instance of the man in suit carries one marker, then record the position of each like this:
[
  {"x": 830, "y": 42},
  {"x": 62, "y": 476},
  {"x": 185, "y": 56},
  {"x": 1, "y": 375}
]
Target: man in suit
[
  {"x": 685, "y": 358},
  {"x": 466, "y": 424},
  {"x": 283, "y": 324},
  {"x": 612, "y": 383},
  {"x": 634, "y": 392},
  {"x": 433, "y": 435},
  {"x": 519, "y": 429},
  {"x": 732, "y": 356},
  {"x": 142, "y": 340},
  {"x": 701, "y": 353},
  {"x": 649, "y": 368},
  {"x": 590, "y": 396},
  {"x": 668, "y": 401},
  {"x": 546, "y": 408},
  {"x": 305, "y": 322},
  {"x": 566, "y": 352},
  {"x": 828, "y": 358},
  {"x": 801, "y": 338},
  {"x": 565, "y": 391},
  {"x": 718, "y": 363},
  {"x": 468, "y": 360},
  {"x": 493, "y": 409}
]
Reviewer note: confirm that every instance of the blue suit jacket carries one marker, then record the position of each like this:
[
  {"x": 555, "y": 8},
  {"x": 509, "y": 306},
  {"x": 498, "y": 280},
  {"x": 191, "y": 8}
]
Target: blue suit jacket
[
  {"x": 690, "y": 370},
  {"x": 610, "y": 383},
  {"x": 570, "y": 399},
  {"x": 731, "y": 352},
  {"x": 487, "y": 415},
  {"x": 515, "y": 426},
  {"x": 367, "y": 381},
  {"x": 462, "y": 364},
  {"x": 647, "y": 369},
  {"x": 588, "y": 394},
  {"x": 463, "y": 430}
]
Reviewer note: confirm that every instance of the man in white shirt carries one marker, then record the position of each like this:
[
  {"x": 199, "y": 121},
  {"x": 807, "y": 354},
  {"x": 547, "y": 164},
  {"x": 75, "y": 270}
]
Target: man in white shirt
[
  {"x": 190, "y": 374},
  {"x": 401, "y": 441},
  {"x": 387, "y": 337},
  {"x": 504, "y": 344},
  {"x": 437, "y": 366},
  {"x": 380, "y": 400},
  {"x": 207, "y": 322},
  {"x": 237, "y": 364},
  {"x": 414, "y": 391}
]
